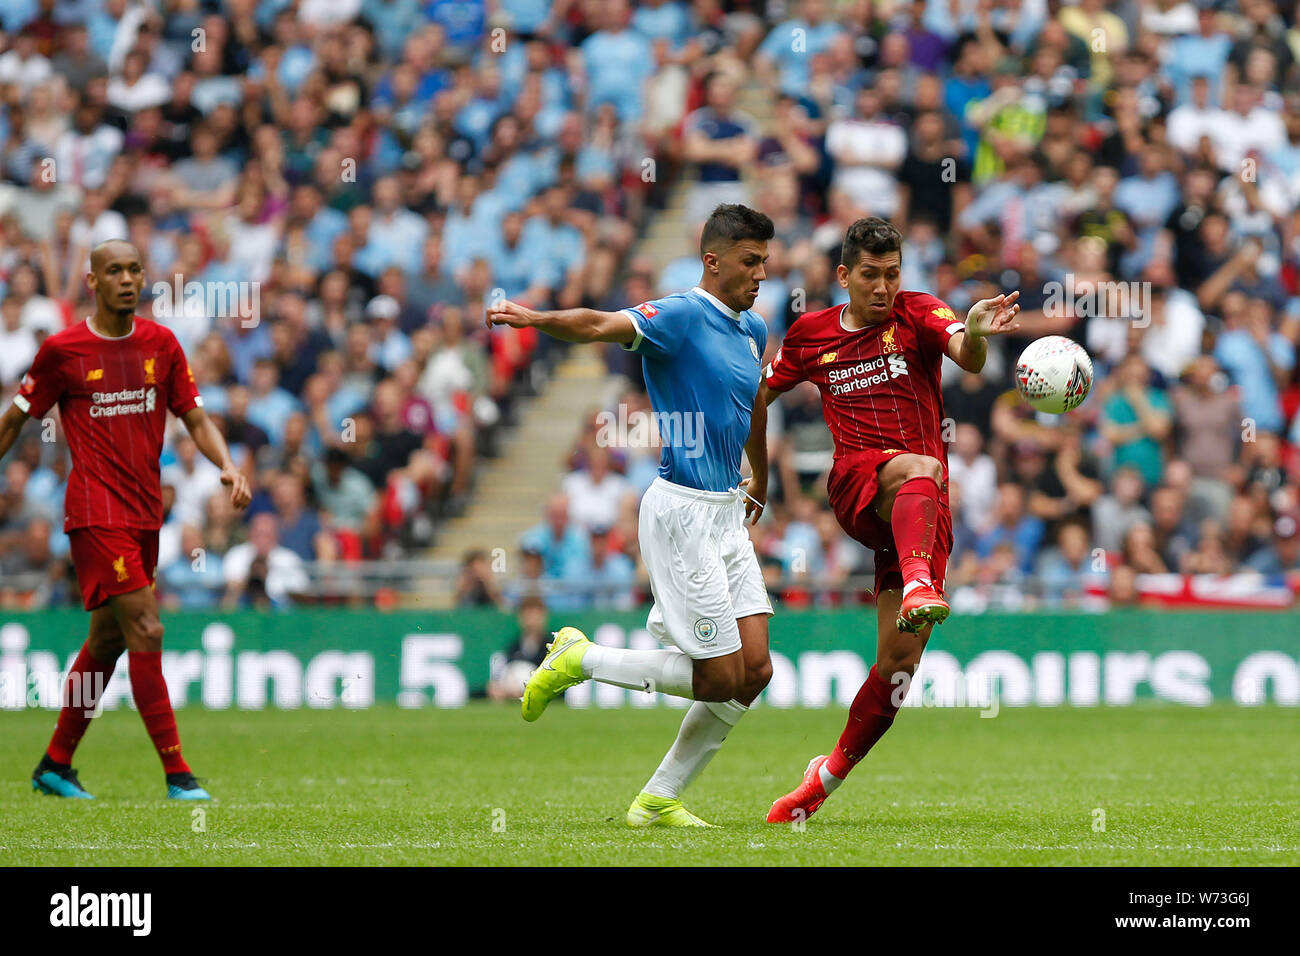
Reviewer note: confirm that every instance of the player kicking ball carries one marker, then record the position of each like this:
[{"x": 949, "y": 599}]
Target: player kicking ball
[
  {"x": 701, "y": 352},
  {"x": 114, "y": 377},
  {"x": 876, "y": 361}
]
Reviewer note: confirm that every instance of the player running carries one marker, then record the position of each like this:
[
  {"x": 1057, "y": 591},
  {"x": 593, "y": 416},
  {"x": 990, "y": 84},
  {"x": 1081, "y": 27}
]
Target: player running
[
  {"x": 701, "y": 351},
  {"x": 876, "y": 361},
  {"x": 114, "y": 377}
]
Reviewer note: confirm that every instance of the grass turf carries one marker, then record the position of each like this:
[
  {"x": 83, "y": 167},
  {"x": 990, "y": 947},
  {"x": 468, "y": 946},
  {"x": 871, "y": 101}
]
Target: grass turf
[{"x": 479, "y": 786}]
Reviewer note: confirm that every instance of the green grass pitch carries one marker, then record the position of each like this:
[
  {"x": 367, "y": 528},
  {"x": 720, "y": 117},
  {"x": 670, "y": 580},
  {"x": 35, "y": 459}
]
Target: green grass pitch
[{"x": 1178, "y": 786}]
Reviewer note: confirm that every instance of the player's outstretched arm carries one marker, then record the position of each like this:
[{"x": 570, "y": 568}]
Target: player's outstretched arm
[
  {"x": 986, "y": 317},
  {"x": 11, "y": 423},
  {"x": 208, "y": 439},
  {"x": 568, "y": 325}
]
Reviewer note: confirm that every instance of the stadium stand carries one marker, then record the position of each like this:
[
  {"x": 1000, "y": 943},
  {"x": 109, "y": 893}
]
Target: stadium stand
[
  {"x": 377, "y": 170},
  {"x": 1161, "y": 162}
]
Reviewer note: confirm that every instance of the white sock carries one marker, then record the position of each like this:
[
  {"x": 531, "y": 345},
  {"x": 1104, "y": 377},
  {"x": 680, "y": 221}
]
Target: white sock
[
  {"x": 829, "y": 780},
  {"x": 661, "y": 671},
  {"x": 911, "y": 586},
  {"x": 704, "y": 728}
]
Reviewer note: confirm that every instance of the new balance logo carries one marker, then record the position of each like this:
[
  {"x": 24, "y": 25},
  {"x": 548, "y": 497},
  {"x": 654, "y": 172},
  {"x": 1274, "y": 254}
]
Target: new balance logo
[{"x": 94, "y": 375}]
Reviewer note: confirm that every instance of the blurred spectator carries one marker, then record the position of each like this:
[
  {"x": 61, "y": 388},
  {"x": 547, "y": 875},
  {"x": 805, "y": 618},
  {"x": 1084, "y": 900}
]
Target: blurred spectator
[
  {"x": 617, "y": 61},
  {"x": 529, "y": 581},
  {"x": 17, "y": 343},
  {"x": 1172, "y": 340},
  {"x": 805, "y": 453},
  {"x": 612, "y": 573},
  {"x": 565, "y": 550},
  {"x": 1139, "y": 550},
  {"x": 1123, "y": 591},
  {"x": 1115, "y": 511},
  {"x": 261, "y": 573},
  {"x": 511, "y": 668},
  {"x": 867, "y": 149},
  {"x": 723, "y": 142},
  {"x": 344, "y": 493},
  {"x": 1012, "y": 526},
  {"x": 1069, "y": 567},
  {"x": 477, "y": 585},
  {"x": 786, "y": 55},
  {"x": 195, "y": 479},
  {"x": 194, "y": 579},
  {"x": 1282, "y": 556},
  {"x": 1136, "y": 420},
  {"x": 1208, "y": 419},
  {"x": 975, "y": 471},
  {"x": 1256, "y": 357},
  {"x": 35, "y": 576},
  {"x": 1171, "y": 536},
  {"x": 595, "y": 493},
  {"x": 299, "y": 526}
]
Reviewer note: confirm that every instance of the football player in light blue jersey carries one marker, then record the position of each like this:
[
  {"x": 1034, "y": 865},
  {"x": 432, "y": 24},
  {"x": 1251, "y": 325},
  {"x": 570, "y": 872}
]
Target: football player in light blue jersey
[{"x": 701, "y": 352}]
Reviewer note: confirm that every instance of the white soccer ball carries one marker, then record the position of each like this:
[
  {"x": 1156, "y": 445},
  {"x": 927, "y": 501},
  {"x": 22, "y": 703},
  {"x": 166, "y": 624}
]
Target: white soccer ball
[{"x": 1054, "y": 374}]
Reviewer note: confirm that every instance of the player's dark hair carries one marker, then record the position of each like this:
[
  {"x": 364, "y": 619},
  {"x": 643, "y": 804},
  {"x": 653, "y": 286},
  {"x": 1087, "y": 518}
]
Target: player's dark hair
[
  {"x": 874, "y": 236},
  {"x": 731, "y": 223}
]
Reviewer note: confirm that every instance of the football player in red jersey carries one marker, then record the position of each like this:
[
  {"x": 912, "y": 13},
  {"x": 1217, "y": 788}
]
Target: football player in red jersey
[
  {"x": 115, "y": 377},
  {"x": 877, "y": 361}
]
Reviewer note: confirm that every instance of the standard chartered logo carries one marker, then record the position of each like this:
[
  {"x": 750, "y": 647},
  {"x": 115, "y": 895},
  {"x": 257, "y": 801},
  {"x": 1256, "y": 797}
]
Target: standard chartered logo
[
  {"x": 126, "y": 401},
  {"x": 874, "y": 371}
]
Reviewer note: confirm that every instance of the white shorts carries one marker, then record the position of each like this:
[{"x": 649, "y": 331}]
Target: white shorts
[{"x": 703, "y": 570}]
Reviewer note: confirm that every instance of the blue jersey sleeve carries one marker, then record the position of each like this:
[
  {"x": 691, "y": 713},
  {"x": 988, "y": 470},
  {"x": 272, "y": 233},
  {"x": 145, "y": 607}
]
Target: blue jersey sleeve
[{"x": 661, "y": 326}]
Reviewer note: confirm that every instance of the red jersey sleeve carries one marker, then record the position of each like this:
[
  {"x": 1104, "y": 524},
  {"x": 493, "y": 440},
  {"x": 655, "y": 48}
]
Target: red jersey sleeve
[
  {"x": 786, "y": 368},
  {"x": 182, "y": 392},
  {"x": 43, "y": 384},
  {"x": 936, "y": 322}
]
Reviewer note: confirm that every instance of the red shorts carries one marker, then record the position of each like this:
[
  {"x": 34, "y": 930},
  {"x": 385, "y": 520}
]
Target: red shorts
[
  {"x": 112, "y": 561},
  {"x": 852, "y": 484}
]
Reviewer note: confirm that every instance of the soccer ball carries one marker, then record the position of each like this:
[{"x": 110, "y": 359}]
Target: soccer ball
[{"x": 1054, "y": 374}]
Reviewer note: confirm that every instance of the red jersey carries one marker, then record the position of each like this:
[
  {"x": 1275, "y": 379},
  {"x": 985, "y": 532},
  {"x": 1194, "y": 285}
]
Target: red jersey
[
  {"x": 113, "y": 396},
  {"x": 879, "y": 385}
]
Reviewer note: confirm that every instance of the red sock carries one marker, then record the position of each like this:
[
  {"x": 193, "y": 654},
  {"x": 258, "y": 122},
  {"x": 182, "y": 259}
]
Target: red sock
[
  {"x": 150, "y": 692},
  {"x": 871, "y": 714},
  {"x": 915, "y": 522},
  {"x": 86, "y": 681}
]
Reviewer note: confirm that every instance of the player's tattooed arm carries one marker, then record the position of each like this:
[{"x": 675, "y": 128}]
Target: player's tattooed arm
[
  {"x": 755, "y": 487},
  {"x": 11, "y": 423},
  {"x": 208, "y": 439},
  {"x": 567, "y": 325},
  {"x": 986, "y": 317}
]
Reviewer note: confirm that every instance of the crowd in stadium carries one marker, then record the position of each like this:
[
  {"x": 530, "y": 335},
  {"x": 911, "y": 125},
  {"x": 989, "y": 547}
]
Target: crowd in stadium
[
  {"x": 1073, "y": 152},
  {"x": 366, "y": 175},
  {"x": 378, "y": 168}
]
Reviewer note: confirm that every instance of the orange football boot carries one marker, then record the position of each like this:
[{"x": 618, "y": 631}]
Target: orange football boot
[
  {"x": 921, "y": 606},
  {"x": 801, "y": 802}
]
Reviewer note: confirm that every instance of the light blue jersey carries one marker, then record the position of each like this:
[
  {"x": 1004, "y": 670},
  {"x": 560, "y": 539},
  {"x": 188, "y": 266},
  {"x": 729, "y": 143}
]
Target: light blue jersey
[{"x": 701, "y": 362}]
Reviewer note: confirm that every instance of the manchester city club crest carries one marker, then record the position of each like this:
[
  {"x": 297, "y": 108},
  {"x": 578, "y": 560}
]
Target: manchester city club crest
[
  {"x": 753, "y": 347},
  {"x": 705, "y": 629}
]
